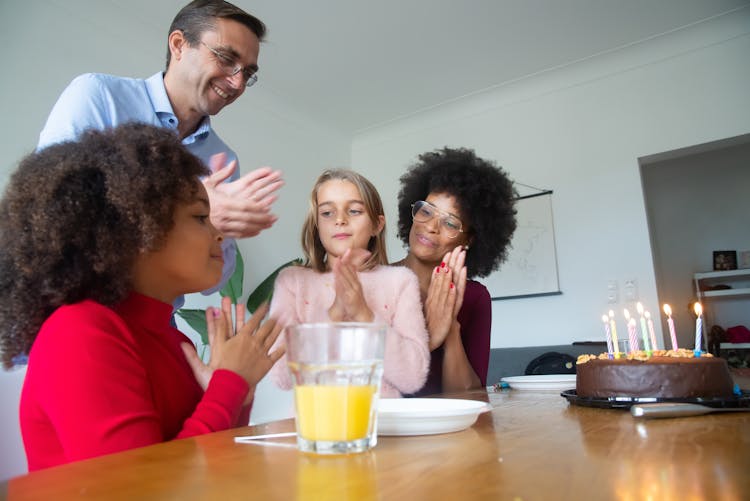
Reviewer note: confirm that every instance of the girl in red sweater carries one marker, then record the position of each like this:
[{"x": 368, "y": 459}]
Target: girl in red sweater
[{"x": 97, "y": 239}]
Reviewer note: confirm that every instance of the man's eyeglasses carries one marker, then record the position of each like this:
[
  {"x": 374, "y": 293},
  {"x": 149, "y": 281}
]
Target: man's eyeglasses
[
  {"x": 423, "y": 212},
  {"x": 230, "y": 67}
]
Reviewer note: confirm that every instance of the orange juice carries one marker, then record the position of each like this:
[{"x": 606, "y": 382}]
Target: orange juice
[{"x": 334, "y": 413}]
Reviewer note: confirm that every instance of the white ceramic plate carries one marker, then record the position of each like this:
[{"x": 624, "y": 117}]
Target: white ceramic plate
[
  {"x": 427, "y": 416},
  {"x": 543, "y": 382}
]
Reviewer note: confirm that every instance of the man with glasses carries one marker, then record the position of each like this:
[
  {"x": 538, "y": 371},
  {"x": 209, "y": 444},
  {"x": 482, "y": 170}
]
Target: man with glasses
[{"x": 212, "y": 57}]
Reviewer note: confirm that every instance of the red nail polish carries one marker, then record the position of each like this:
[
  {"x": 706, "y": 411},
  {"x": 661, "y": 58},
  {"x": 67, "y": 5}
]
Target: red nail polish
[
  {"x": 437, "y": 270},
  {"x": 442, "y": 265},
  {"x": 451, "y": 285}
]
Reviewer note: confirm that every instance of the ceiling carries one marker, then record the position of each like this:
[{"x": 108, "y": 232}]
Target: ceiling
[{"x": 354, "y": 64}]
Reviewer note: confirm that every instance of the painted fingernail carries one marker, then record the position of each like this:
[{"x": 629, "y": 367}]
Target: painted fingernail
[
  {"x": 215, "y": 312},
  {"x": 437, "y": 270},
  {"x": 451, "y": 285},
  {"x": 442, "y": 265}
]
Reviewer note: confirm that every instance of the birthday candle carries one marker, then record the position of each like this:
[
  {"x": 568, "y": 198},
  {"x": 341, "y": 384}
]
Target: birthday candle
[
  {"x": 698, "y": 327},
  {"x": 651, "y": 330},
  {"x": 644, "y": 332},
  {"x": 605, "y": 319},
  {"x": 615, "y": 341},
  {"x": 670, "y": 323},
  {"x": 632, "y": 336}
]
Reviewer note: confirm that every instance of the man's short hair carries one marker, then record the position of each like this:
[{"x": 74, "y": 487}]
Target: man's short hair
[{"x": 200, "y": 16}]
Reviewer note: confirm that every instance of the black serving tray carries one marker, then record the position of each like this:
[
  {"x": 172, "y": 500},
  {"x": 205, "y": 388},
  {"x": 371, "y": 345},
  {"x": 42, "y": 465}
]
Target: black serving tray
[{"x": 742, "y": 400}]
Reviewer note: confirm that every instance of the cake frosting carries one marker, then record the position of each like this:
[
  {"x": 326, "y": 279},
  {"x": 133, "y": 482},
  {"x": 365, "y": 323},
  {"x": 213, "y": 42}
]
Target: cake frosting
[{"x": 664, "y": 374}]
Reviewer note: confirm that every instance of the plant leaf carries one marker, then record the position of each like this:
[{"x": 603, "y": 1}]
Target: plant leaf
[
  {"x": 197, "y": 320},
  {"x": 233, "y": 288},
  {"x": 264, "y": 291}
]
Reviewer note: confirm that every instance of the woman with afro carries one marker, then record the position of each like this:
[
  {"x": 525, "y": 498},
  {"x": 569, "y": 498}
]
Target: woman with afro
[
  {"x": 456, "y": 217},
  {"x": 97, "y": 239}
]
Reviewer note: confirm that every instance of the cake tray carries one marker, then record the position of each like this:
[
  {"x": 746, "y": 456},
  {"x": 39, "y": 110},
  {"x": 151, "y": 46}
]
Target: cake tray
[{"x": 742, "y": 400}]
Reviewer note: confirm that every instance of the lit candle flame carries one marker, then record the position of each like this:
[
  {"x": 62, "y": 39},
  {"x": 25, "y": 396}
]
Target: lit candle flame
[
  {"x": 627, "y": 314},
  {"x": 639, "y": 308},
  {"x": 667, "y": 310},
  {"x": 647, "y": 314},
  {"x": 605, "y": 319},
  {"x": 698, "y": 308}
]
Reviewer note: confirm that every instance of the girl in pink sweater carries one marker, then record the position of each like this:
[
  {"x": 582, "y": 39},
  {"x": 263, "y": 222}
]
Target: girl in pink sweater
[{"x": 346, "y": 279}]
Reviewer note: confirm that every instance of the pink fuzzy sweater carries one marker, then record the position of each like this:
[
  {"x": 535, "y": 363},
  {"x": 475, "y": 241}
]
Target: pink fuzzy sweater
[{"x": 302, "y": 295}]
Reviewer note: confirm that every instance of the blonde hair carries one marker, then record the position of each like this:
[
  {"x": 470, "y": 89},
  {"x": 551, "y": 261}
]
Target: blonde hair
[{"x": 315, "y": 253}]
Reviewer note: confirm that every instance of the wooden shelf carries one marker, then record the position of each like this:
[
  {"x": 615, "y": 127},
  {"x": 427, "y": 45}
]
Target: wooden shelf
[
  {"x": 726, "y": 292},
  {"x": 729, "y": 346},
  {"x": 709, "y": 278},
  {"x": 723, "y": 274},
  {"x": 739, "y": 281}
]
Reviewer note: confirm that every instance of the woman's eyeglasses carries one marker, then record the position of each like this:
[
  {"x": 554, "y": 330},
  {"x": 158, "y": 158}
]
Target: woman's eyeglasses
[{"x": 423, "y": 212}]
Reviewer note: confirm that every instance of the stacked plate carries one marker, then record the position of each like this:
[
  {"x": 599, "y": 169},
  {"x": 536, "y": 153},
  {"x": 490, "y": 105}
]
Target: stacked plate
[{"x": 546, "y": 382}]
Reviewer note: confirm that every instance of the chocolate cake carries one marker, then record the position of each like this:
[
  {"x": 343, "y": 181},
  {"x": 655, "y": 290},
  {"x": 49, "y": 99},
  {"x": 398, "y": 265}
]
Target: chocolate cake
[{"x": 666, "y": 374}]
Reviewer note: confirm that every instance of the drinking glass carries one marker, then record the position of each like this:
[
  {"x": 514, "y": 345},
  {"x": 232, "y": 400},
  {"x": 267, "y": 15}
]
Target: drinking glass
[{"x": 336, "y": 369}]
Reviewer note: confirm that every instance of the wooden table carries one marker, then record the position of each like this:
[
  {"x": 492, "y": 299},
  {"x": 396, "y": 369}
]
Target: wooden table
[{"x": 532, "y": 446}]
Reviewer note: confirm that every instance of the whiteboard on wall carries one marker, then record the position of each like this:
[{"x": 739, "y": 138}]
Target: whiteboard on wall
[{"x": 531, "y": 267}]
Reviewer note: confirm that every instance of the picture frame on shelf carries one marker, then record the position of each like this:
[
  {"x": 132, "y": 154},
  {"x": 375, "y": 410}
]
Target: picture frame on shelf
[
  {"x": 725, "y": 260},
  {"x": 744, "y": 259}
]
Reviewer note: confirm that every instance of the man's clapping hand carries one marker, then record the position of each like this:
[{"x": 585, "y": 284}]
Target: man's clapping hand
[{"x": 241, "y": 208}]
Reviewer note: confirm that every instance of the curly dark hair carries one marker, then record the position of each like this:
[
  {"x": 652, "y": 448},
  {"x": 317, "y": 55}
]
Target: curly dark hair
[
  {"x": 484, "y": 192},
  {"x": 75, "y": 216}
]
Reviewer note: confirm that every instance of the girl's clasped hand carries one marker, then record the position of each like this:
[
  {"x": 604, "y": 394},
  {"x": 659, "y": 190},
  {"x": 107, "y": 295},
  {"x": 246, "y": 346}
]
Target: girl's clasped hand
[
  {"x": 350, "y": 304},
  {"x": 243, "y": 349}
]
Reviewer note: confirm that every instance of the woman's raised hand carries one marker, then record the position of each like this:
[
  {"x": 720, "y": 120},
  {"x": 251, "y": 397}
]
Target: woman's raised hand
[
  {"x": 244, "y": 351},
  {"x": 349, "y": 304},
  {"x": 456, "y": 260},
  {"x": 445, "y": 296}
]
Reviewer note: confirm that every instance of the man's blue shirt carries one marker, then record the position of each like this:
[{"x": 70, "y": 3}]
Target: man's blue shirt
[{"x": 98, "y": 101}]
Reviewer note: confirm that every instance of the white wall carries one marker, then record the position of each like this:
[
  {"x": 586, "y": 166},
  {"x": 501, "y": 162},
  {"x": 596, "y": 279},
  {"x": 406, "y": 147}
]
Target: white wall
[{"x": 580, "y": 130}]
